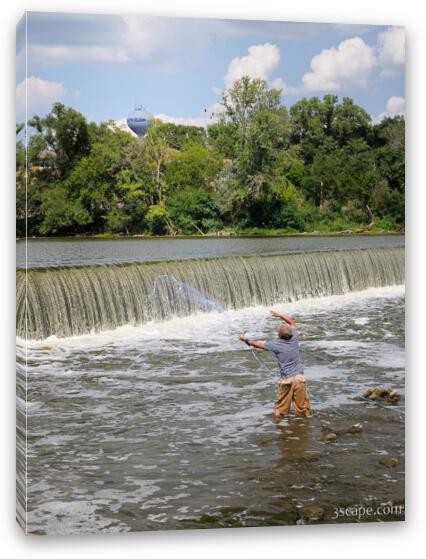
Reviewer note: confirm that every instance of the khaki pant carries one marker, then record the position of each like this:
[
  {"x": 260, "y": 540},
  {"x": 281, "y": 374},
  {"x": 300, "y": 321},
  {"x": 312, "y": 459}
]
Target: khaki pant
[{"x": 293, "y": 390}]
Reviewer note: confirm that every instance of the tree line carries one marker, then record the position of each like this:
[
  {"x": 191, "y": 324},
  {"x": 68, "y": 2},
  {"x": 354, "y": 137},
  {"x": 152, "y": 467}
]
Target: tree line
[{"x": 321, "y": 165}]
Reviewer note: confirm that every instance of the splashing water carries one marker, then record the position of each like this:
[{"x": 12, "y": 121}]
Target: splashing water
[
  {"x": 76, "y": 300},
  {"x": 119, "y": 441}
]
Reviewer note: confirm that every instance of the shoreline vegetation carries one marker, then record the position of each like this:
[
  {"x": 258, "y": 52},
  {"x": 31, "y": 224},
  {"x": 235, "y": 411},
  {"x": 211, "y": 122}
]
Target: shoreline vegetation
[
  {"x": 221, "y": 235},
  {"x": 318, "y": 167}
]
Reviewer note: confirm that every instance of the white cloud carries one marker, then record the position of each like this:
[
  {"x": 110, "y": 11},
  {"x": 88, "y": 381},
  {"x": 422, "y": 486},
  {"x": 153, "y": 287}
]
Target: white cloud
[
  {"x": 394, "y": 107},
  {"x": 279, "y": 83},
  {"x": 351, "y": 64},
  {"x": 338, "y": 68},
  {"x": 391, "y": 51},
  {"x": 200, "y": 121},
  {"x": 260, "y": 61},
  {"x": 40, "y": 95},
  {"x": 166, "y": 43},
  {"x": 211, "y": 115},
  {"x": 63, "y": 53}
]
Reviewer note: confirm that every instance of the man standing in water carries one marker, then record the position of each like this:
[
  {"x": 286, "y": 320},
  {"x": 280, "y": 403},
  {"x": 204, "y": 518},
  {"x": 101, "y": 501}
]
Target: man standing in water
[{"x": 292, "y": 385}]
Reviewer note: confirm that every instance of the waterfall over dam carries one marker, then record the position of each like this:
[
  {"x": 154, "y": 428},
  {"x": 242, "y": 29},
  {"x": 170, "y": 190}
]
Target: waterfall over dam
[{"x": 68, "y": 301}]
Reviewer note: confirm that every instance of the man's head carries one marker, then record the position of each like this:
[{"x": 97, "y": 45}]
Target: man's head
[{"x": 284, "y": 331}]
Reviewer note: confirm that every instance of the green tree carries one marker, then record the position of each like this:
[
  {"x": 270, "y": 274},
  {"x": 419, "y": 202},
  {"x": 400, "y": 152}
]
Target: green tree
[
  {"x": 223, "y": 138},
  {"x": 158, "y": 220},
  {"x": 350, "y": 122},
  {"x": 64, "y": 131},
  {"x": 316, "y": 124},
  {"x": 98, "y": 188},
  {"x": 388, "y": 197},
  {"x": 245, "y": 99},
  {"x": 156, "y": 153},
  {"x": 61, "y": 214},
  {"x": 179, "y": 136},
  {"x": 340, "y": 175},
  {"x": 390, "y": 132},
  {"x": 260, "y": 125},
  {"x": 193, "y": 210},
  {"x": 194, "y": 166}
]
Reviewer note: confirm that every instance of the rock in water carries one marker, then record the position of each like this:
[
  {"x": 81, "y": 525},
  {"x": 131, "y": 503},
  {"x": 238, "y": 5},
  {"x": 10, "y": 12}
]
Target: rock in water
[
  {"x": 356, "y": 428},
  {"x": 330, "y": 435},
  {"x": 389, "y": 462},
  {"x": 314, "y": 512},
  {"x": 390, "y": 395}
]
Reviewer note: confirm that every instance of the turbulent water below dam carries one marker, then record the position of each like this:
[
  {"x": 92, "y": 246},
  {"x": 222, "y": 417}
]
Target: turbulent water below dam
[{"x": 140, "y": 409}]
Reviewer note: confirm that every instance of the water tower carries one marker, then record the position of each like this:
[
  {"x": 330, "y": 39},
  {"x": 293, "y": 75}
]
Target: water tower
[{"x": 138, "y": 121}]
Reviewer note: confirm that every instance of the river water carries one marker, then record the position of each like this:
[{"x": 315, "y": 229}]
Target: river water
[
  {"x": 78, "y": 251},
  {"x": 168, "y": 424}
]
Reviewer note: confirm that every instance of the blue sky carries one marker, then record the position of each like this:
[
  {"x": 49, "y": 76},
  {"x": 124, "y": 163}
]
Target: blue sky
[{"x": 177, "y": 67}]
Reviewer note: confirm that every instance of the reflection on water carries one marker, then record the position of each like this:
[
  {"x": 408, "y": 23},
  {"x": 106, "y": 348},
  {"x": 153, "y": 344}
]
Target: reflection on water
[
  {"x": 76, "y": 252},
  {"x": 170, "y": 425}
]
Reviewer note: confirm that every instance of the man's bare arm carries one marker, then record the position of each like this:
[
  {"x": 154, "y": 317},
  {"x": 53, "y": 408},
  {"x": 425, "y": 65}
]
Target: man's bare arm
[
  {"x": 290, "y": 321},
  {"x": 257, "y": 345},
  {"x": 252, "y": 343}
]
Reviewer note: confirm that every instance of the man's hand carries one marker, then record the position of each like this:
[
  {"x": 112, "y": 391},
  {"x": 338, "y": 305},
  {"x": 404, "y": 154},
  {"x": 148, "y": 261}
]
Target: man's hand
[
  {"x": 275, "y": 314},
  {"x": 284, "y": 317},
  {"x": 252, "y": 343}
]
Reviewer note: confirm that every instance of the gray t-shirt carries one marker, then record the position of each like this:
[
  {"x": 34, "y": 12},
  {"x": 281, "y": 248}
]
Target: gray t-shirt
[{"x": 287, "y": 353}]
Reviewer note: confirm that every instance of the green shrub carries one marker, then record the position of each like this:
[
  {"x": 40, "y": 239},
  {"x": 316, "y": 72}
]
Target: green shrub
[{"x": 157, "y": 219}]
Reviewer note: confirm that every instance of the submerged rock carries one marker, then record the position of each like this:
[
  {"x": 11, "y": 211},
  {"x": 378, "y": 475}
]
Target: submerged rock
[
  {"x": 389, "y": 462},
  {"x": 313, "y": 512},
  {"x": 318, "y": 487},
  {"x": 329, "y": 437},
  {"x": 313, "y": 457}
]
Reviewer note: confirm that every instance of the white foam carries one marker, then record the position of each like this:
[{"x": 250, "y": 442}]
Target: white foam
[
  {"x": 362, "y": 320},
  {"x": 209, "y": 328}
]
